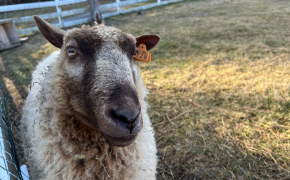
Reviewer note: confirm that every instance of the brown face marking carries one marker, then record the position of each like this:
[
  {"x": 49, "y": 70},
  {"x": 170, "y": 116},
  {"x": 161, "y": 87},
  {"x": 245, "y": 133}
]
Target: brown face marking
[
  {"x": 86, "y": 41},
  {"x": 128, "y": 45},
  {"x": 100, "y": 79}
]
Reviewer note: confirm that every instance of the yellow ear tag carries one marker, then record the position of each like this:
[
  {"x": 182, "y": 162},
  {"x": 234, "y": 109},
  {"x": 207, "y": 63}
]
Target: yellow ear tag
[{"x": 142, "y": 54}]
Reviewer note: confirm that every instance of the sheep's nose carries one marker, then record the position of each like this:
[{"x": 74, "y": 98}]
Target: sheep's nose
[{"x": 128, "y": 116}]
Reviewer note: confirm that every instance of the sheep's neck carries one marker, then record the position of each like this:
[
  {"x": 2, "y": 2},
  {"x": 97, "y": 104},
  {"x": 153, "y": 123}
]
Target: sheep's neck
[{"x": 89, "y": 152}]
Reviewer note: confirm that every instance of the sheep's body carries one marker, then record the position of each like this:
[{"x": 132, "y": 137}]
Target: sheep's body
[{"x": 58, "y": 146}]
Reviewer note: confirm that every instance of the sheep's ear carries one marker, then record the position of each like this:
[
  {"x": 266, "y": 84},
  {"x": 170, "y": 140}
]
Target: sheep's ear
[
  {"x": 52, "y": 33},
  {"x": 150, "y": 40}
]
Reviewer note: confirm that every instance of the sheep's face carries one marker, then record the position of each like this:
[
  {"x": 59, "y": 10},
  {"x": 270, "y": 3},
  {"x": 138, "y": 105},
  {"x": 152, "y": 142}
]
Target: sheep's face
[{"x": 100, "y": 73}]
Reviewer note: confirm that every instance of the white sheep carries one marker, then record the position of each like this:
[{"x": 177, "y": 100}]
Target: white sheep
[{"x": 85, "y": 116}]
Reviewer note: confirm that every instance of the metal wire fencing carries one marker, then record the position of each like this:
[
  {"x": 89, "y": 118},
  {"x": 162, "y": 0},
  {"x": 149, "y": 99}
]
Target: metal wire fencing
[{"x": 9, "y": 161}]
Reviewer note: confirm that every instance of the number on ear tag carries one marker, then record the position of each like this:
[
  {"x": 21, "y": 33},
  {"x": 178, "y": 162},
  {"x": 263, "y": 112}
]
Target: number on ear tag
[{"x": 142, "y": 54}]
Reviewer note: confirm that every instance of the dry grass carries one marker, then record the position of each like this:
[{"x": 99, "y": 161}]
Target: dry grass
[{"x": 219, "y": 83}]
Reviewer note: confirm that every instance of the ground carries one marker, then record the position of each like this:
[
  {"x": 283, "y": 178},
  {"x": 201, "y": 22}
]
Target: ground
[{"x": 219, "y": 86}]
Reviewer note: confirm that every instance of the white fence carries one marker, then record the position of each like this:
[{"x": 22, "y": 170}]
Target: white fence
[{"x": 61, "y": 14}]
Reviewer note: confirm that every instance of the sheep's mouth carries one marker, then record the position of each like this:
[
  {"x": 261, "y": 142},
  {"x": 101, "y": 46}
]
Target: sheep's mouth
[{"x": 121, "y": 141}]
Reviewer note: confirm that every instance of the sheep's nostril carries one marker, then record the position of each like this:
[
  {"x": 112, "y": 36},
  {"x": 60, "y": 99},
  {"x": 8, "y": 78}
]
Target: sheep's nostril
[
  {"x": 127, "y": 116},
  {"x": 131, "y": 127}
]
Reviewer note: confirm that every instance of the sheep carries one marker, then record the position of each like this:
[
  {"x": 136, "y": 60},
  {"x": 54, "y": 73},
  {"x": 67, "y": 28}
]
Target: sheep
[{"x": 85, "y": 116}]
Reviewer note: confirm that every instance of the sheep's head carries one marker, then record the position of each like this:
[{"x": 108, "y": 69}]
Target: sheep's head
[{"x": 100, "y": 74}]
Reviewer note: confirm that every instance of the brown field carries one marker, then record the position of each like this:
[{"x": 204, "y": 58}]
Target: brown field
[{"x": 219, "y": 86}]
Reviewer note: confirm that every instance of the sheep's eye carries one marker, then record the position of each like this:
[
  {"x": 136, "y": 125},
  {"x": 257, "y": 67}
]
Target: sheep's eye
[{"x": 71, "y": 51}]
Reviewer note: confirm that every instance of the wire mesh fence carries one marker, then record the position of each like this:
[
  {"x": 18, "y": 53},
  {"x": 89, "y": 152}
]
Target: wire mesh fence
[{"x": 9, "y": 161}]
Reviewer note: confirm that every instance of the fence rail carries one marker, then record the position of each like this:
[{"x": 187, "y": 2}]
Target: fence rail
[
  {"x": 118, "y": 5},
  {"x": 37, "y": 5},
  {"x": 52, "y": 15}
]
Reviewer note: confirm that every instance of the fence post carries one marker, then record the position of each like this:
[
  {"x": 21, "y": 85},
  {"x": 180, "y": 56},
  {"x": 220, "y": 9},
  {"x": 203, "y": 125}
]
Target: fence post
[
  {"x": 95, "y": 12},
  {"x": 58, "y": 9},
  {"x": 118, "y": 7}
]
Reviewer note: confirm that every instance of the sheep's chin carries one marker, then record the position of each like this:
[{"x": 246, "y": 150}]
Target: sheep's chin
[{"x": 121, "y": 141}]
